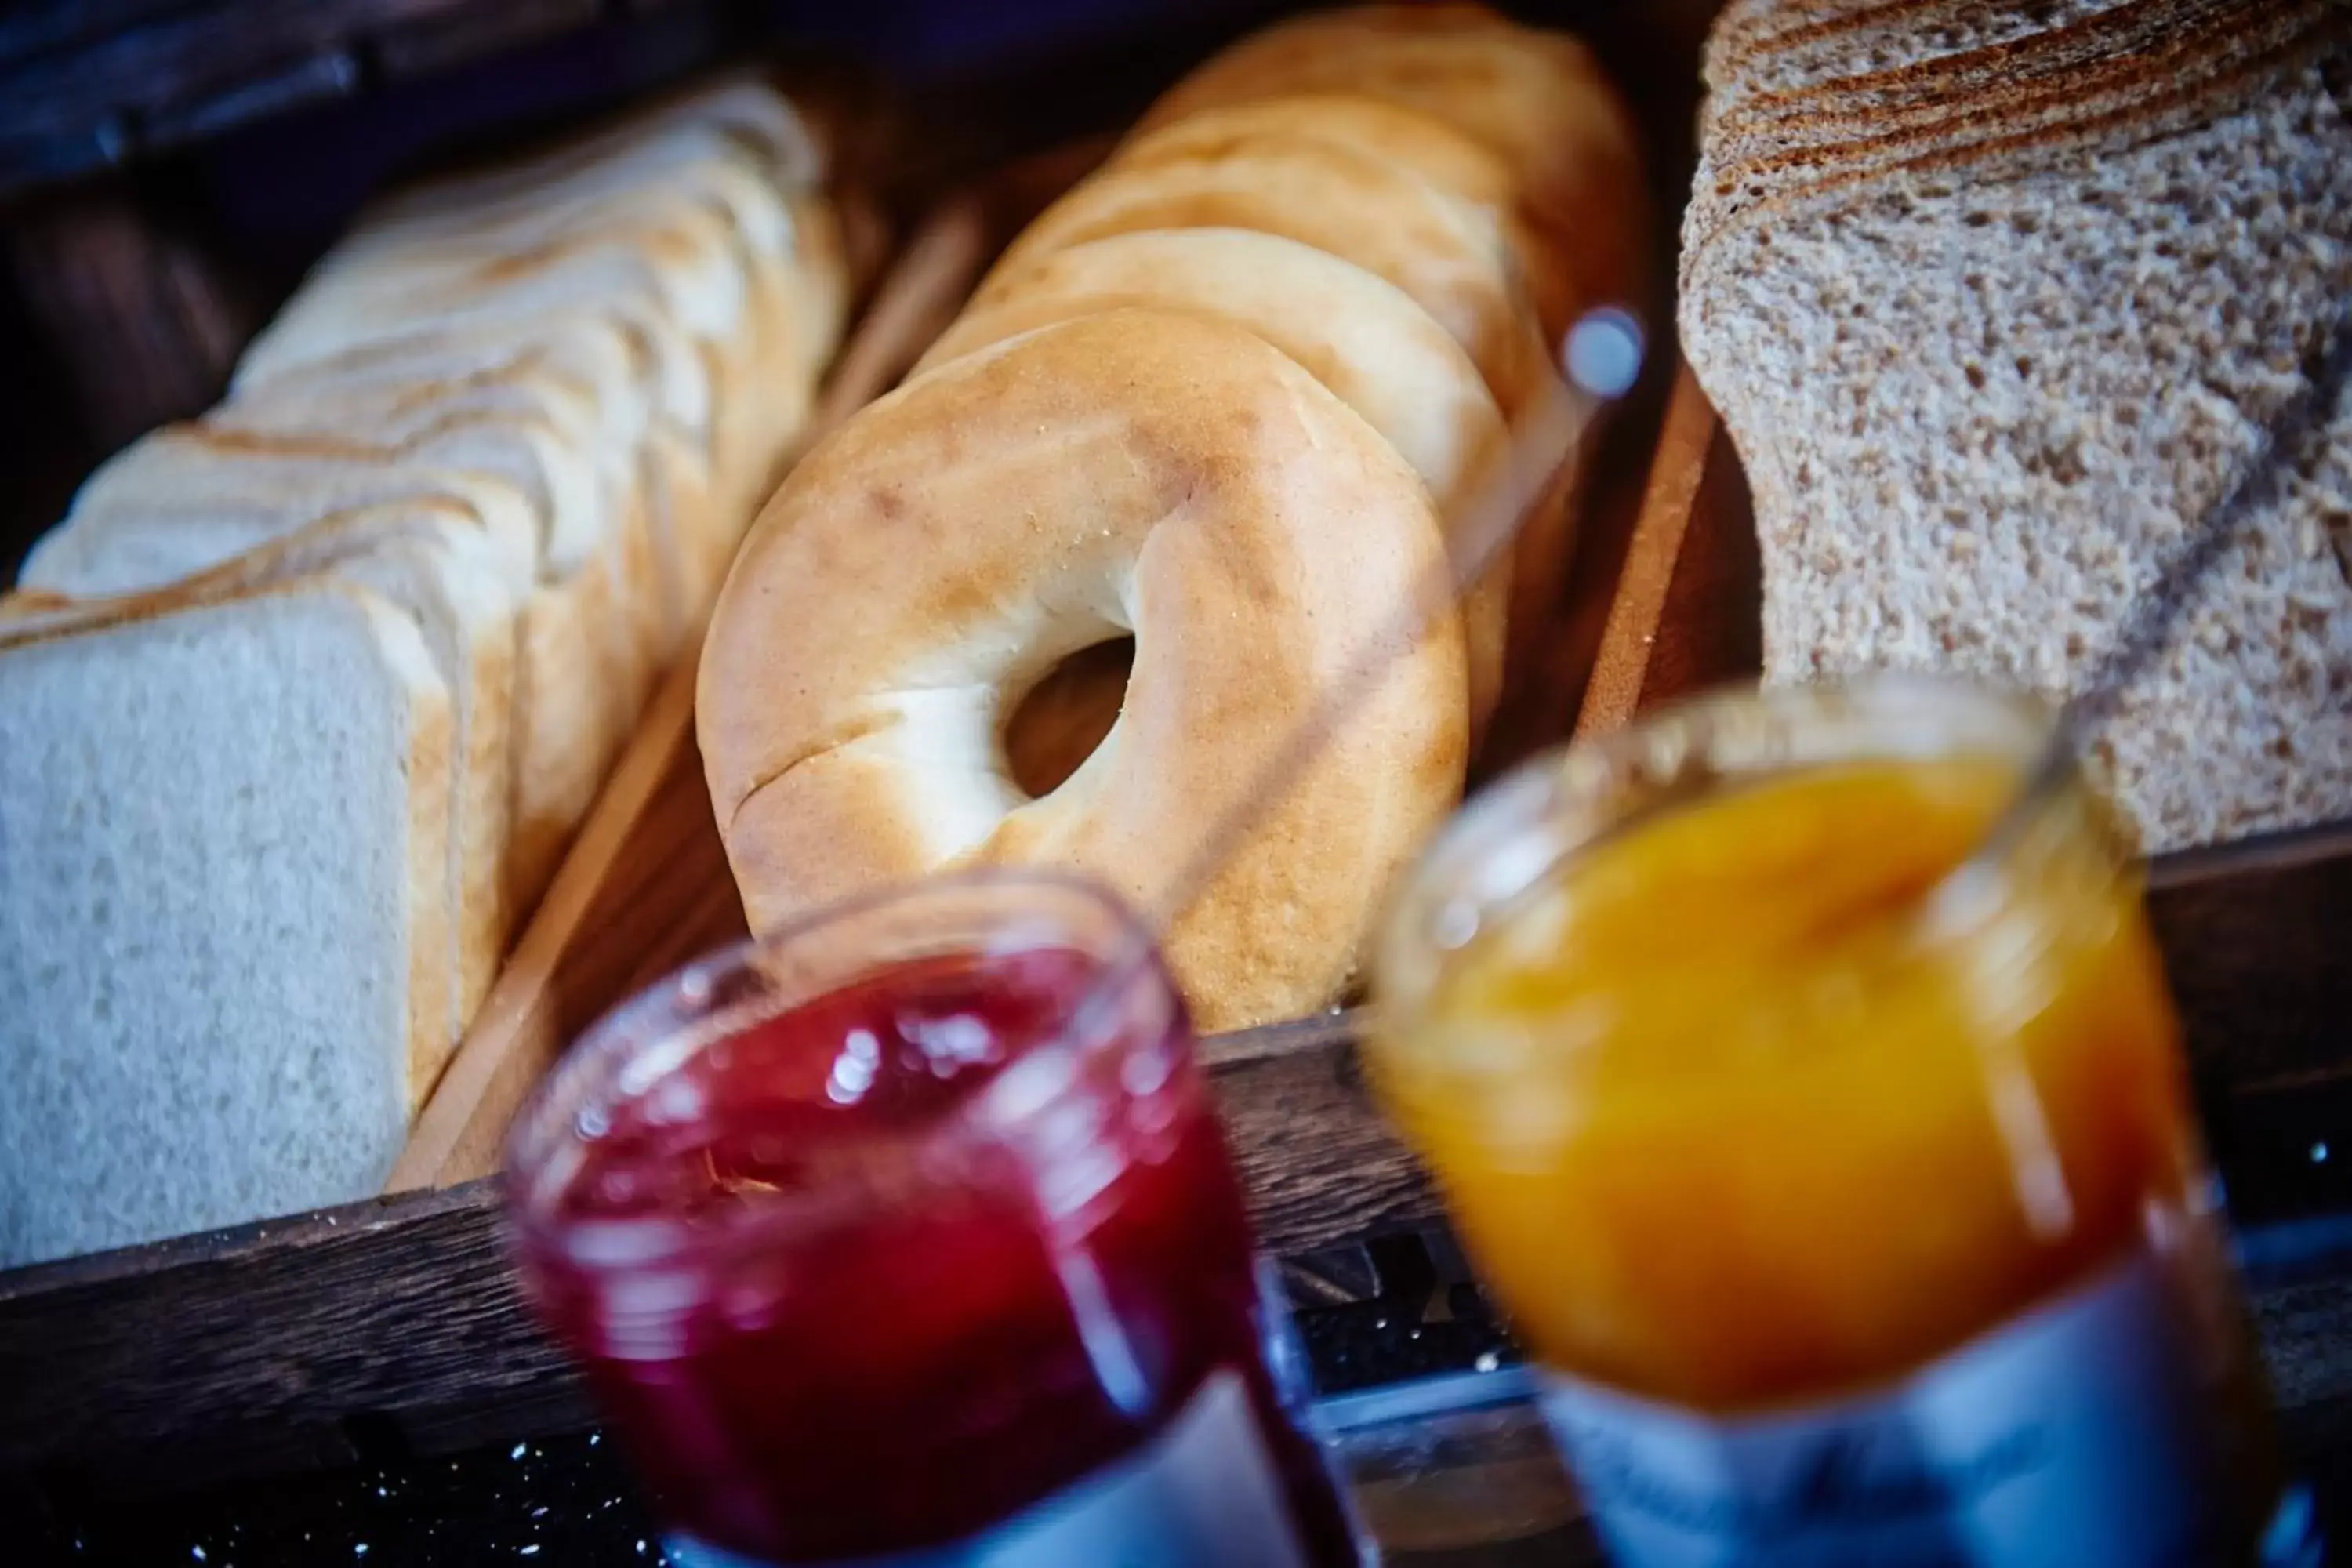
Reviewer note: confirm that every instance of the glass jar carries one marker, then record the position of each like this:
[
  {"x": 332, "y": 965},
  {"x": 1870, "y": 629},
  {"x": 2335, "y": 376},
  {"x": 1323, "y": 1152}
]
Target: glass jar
[
  {"x": 866, "y": 1253},
  {"x": 1844, "y": 1182}
]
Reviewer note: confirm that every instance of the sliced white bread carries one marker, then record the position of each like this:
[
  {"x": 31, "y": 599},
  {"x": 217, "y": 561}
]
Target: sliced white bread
[
  {"x": 443, "y": 547},
  {"x": 716, "y": 206},
  {"x": 208, "y": 1026},
  {"x": 468, "y": 496},
  {"x": 754, "y": 117},
  {"x": 607, "y": 294}
]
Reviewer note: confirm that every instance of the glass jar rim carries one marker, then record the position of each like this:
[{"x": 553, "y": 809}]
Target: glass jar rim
[
  {"x": 1568, "y": 800},
  {"x": 646, "y": 1039}
]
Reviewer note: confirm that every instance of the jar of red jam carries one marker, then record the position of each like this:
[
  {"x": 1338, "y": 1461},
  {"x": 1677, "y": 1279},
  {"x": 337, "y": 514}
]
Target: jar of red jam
[{"x": 876, "y": 1246}]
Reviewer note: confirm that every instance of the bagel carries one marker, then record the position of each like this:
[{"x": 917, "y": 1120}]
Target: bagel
[
  {"x": 1443, "y": 253},
  {"x": 1539, "y": 99},
  {"x": 1463, "y": 168},
  {"x": 1383, "y": 355},
  {"x": 1159, "y": 473}
]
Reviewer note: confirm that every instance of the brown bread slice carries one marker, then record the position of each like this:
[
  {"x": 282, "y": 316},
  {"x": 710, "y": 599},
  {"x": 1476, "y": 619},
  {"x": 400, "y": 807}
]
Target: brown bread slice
[
  {"x": 1974, "y": 84},
  {"x": 1980, "y": 400}
]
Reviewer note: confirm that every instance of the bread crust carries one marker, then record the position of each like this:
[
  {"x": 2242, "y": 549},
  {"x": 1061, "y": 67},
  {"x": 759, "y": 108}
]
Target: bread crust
[
  {"x": 1334, "y": 196},
  {"x": 1539, "y": 101}
]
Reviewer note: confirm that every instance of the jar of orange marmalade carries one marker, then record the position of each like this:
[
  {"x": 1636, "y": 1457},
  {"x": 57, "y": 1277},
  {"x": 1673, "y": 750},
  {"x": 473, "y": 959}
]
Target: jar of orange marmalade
[{"x": 1843, "y": 1181}]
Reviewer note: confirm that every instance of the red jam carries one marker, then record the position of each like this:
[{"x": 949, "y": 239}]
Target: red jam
[{"x": 872, "y": 1273}]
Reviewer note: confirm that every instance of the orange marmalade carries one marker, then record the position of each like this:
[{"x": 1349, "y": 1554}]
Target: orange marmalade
[{"x": 1844, "y": 1181}]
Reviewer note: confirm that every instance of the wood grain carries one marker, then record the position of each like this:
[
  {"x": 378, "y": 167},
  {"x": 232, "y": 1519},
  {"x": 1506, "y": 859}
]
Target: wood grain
[{"x": 1685, "y": 615}]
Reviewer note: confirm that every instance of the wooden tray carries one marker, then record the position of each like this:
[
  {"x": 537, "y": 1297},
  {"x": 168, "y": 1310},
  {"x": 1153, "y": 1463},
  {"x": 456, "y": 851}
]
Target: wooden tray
[{"x": 395, "y": 1321}]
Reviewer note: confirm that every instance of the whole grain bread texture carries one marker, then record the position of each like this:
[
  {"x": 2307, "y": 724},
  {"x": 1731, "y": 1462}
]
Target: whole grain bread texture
[{"x": 1990, "y": 356}]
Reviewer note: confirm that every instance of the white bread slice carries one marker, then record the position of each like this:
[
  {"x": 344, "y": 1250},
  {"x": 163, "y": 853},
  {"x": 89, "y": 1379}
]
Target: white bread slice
[
  {"x": 792, "y": 304},
  {"x": 135, "y": 525},
  {"x": 426, "y": 562},
  {"x": 182, "y": 518},
  {"x": 584, "y": 392},
  {"x": 710, "y": 199},
  {"x": 603, "y": 630},
  {"x": 223, "y": 921}
]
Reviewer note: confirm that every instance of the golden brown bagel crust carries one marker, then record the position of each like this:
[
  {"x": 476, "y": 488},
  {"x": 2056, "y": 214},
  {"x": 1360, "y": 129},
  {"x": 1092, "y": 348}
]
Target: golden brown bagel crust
[
  {"x": 1421, "y": 144},
  {"x": 1164, "y": 471},
  {"x": 1447, "y": 255},
  {"x": 1384, "y": 356},
  {"x": 1539, "y": 100}
]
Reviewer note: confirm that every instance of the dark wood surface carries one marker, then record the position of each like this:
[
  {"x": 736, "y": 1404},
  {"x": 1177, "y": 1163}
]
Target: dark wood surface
[{"x": 287, "y": 1343}]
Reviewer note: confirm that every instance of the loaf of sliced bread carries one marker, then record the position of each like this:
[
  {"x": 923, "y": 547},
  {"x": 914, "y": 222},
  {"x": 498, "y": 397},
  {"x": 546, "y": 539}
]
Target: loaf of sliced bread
[
  {"x": 388, "y": 616},
  {"x": 426, "y": 553},
  {"x": 223, "y": 914},
  {"x": 1996, "y": 302}
]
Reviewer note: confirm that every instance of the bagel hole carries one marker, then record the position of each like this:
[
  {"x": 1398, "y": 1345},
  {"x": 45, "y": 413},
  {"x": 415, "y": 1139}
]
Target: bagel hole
[{"x": 1057, "y": 724}]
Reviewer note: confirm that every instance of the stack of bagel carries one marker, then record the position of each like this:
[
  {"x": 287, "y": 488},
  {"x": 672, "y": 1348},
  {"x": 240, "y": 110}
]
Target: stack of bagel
[{"x": 1220, "y": 400}]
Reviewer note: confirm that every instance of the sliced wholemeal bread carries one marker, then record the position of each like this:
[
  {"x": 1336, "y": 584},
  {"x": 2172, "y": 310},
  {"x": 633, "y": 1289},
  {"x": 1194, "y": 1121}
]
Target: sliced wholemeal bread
[
  {"x": 159, "y": 1085},
  {"x": 1761, "y": 50},
  {"x": 1951, "y": 76},
  {"x": 1983, "y": 395}
]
